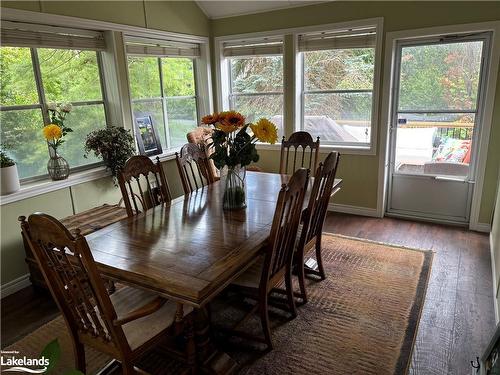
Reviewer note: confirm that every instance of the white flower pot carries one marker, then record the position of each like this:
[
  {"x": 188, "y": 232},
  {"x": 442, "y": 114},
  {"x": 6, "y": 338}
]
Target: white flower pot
[{"x": 9, "y": 180}]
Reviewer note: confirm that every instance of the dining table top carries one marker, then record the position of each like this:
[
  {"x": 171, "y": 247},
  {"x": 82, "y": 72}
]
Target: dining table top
[{"x": 190, "y": 249}]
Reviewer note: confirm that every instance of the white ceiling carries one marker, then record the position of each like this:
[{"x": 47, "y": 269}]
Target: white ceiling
[{"x": 228, "y": 8}]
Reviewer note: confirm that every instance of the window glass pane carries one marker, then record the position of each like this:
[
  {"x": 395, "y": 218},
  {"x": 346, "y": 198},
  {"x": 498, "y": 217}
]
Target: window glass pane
[
  {"x": 182, "y": 119},
  {"x": 178, "y": 76},
  {"x": 440, "y": 76},
  {"x": 83, "y": 119},
  {"x": 17, "y": 83},
  {"x": 155, "y": 110},
  {"x": 144, "y": 76},
  {"x": 338, "y": 117},
  {"x": 254, "y": 107},
  {"x": 21, "y": 131},
  {"x": 257, "y": 74},
  {"x": 69, "y": 75},
  {"x": 339, "y": 69},
  {"x": 436, "y": 144}
]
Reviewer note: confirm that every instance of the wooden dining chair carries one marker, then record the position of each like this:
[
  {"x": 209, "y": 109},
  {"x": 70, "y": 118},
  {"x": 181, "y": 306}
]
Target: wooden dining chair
[
  {"x": 124, "y": 325},
  {"x": 193, "y": 168},
  {"x": 313, "y": 218},
  {"x": 202, "y": 136},
  {"x": 143, "y": 184},
  {"x": 275, "y": 265},
  {"x": 299, "y": 151}
]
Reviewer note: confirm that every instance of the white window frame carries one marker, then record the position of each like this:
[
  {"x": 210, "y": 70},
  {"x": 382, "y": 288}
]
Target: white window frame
[
  {"x": 295, "y": 104},
  {"x": 163, "y": 98},
  {"x": 42, "y": 105},
  {"x": 223, "y": 71},
  {"x": 350, "y": 148}
]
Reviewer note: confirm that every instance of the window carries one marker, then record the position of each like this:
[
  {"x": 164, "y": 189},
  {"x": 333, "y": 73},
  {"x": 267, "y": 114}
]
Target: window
[
  {"x": 165, "y": 88},
  {"x": 34, "y": 77},
  {"x": 41, "y": 67},
  {"x": 338, "y": 81},
  {"x": 255, "y": 79}
]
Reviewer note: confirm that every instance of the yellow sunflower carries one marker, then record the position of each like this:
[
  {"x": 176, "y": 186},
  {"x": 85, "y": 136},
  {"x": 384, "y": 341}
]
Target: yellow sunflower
[
  {"x": 51, "y": 132},
  {"x": 265, "y": 131},
  {"x": 210, "y": 119}
]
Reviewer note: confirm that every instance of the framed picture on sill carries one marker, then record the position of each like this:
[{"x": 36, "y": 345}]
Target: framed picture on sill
[{"x": 147, "y": 135}]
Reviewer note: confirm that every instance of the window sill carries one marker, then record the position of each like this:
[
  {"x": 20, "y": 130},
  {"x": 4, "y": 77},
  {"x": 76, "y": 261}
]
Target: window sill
[
  {"x": 345, "y": 150},
  {"x": 32, "y": 189}
]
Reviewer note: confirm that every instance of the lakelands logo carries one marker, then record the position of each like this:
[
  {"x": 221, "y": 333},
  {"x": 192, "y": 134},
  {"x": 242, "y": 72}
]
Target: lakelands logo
[{"x": 14, "y": 363}]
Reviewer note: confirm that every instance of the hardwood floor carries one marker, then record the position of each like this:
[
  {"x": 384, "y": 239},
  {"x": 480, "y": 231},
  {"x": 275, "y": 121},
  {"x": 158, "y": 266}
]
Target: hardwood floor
[{"x": 458, "y": 317}]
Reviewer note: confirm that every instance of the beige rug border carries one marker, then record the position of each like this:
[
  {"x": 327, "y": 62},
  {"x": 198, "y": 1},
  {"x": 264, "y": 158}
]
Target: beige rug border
[{"x": 360, "y": 239}]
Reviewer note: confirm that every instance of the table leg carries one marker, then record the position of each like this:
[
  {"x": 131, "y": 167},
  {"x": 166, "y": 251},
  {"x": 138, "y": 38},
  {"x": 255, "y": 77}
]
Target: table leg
[{"x": 210, "y": 359}]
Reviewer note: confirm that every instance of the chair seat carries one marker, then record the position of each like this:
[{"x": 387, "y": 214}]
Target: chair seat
[
  {"x": 251, "y": 277},
  {"x": 142, "y": 330}
]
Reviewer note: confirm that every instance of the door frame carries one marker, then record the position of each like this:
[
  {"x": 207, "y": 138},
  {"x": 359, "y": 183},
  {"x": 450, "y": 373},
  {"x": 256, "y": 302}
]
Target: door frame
[
  {"x": 485, "y": 37},
  {"x": 490, "y": 78}
]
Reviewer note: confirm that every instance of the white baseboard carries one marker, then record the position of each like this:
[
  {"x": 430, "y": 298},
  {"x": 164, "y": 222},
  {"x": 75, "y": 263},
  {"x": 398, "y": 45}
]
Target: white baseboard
[
  {"x": 354, "y": 210},
  {"x": 480, "y": 227},
  {"x": 496, "y": 295},
  {"x": 15, "y": 285}
]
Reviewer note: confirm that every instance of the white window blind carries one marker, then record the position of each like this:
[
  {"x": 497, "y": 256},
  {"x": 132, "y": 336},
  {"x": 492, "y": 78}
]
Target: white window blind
[
  {"x": 264, "y": 46},
  {"x": 19, "y": 34},
  {"x": 161, "y": 48},
  {"x": 339, "y": 39}
]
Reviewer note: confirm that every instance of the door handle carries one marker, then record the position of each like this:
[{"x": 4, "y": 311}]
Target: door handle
[{"x": 447, "y": 178}]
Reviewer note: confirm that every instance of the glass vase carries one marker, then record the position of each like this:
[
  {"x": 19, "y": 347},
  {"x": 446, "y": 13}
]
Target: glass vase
[
  {"x": 234, "y": 188},
  {"x": 57, "y": 166}
]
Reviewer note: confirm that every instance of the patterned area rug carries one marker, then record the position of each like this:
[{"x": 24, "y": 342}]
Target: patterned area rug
[{"x": 362, "y": 319}]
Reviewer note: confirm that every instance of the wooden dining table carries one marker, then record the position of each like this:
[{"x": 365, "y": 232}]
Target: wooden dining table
[{"x": 190, "y": 249}]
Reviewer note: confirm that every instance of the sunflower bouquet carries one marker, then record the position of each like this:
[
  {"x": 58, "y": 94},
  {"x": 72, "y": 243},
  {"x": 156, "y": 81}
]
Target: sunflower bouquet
[
  {"x": 56, "y": 130},
  {"x": 234, "y": 148},
  {"x": 232, "y": 143}
]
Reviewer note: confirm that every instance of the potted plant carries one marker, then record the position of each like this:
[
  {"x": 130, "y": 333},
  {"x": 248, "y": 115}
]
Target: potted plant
[
  {"x": 9, "y": 176},
  {"x": 113, "y": 145}
]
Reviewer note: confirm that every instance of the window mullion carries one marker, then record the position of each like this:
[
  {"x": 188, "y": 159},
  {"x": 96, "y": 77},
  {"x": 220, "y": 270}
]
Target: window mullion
[
  {"x": 166, "y": 127},
  {"x": 104, "y": 96},
  {"x": 196, "y": 94},
  {"x": 39, "y": 85}
]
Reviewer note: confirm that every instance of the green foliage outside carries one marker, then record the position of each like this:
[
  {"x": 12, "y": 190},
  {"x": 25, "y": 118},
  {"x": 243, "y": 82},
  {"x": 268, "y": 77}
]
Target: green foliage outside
[
  {"x": 67, "y": 76},
  {"x": 174, "y": 104},
  {"x": 252, "y": 75}
]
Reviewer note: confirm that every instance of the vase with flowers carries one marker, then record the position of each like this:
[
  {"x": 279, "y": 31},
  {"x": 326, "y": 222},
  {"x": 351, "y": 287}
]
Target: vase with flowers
[
  {"x": 234, "y": 149},
  {"x": 57, "y": 166}
]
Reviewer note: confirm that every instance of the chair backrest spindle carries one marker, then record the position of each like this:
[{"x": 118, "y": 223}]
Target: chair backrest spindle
[
  {"x": 286, "y": 220},
  {"x": 303, "y": 144},
  {"x": 193, "y": 167},
  {"x": 140, "y": 168},
  {"x": 319, "y": 199},
  {"x": 75, "y": 283}
]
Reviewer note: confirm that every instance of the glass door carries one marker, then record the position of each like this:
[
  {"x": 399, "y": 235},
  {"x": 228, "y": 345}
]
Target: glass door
[{"x": 435, "y": 124}]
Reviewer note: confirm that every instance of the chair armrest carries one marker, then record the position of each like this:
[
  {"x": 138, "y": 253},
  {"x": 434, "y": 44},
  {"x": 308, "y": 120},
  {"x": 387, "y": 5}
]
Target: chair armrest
[{"x": 142, "y": 311}]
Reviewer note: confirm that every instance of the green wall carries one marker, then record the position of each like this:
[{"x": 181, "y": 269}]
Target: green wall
[
  {"x": 177, "y": 16},
  {"x": 360, "y": 173}
]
